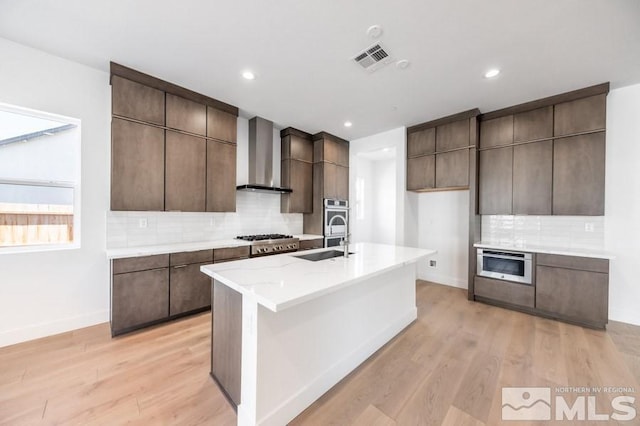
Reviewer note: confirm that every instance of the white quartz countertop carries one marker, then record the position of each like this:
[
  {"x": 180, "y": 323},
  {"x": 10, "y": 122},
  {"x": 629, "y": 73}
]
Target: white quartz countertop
[
  {"x": 566, "y": 251},
  {"x": 119, "y": 253},
  {"x": 281, "y": 281}
]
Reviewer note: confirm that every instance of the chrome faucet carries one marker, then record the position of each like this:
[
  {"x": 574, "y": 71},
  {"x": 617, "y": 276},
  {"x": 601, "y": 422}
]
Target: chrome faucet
[{"x": 345, "y": 240}]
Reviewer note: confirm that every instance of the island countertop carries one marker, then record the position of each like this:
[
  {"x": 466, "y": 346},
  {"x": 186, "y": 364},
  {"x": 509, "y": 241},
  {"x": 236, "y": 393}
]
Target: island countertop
[{"x": 281, "y": 281}]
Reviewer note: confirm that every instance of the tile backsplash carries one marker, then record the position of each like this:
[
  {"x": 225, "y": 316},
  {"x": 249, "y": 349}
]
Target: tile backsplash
[
  {"x": 256, "y": 213},
  {"x": 584, "y": 232}
]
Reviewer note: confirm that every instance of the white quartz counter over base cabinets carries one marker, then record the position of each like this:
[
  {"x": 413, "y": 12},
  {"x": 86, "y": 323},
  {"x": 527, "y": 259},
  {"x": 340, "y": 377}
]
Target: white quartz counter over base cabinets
[{"x": 306, "y": 325}]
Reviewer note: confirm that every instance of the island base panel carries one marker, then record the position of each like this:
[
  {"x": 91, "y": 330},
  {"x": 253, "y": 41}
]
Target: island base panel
[{"x": 290, "y": 358}]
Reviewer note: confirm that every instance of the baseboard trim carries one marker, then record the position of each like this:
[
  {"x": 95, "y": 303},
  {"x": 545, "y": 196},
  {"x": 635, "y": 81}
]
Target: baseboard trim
[
  {"x": 443, "y": 279},
  {"x": 49, "y": 328},
  {"x": 627, "y": 316}
]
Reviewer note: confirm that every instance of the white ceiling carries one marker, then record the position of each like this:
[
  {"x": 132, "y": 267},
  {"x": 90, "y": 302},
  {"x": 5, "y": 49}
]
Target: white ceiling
[{"x": 301, "y": 50}]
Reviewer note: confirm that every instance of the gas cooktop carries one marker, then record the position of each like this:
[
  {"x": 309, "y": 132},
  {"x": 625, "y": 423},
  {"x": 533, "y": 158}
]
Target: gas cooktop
[{"x": 262, "y": 237}]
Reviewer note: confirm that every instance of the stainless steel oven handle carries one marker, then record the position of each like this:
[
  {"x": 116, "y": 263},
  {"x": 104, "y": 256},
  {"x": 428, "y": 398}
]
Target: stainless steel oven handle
[{"x": 498, "y": 256}]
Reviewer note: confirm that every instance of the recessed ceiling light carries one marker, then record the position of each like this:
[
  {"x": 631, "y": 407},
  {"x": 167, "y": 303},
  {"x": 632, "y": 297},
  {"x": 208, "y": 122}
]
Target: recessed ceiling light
[
  {"x": 492, "y": 73},
  {"x": 348, "y": 124},
  {"x": 248, "y": 75},
  {"x": 374, "y": 31}
]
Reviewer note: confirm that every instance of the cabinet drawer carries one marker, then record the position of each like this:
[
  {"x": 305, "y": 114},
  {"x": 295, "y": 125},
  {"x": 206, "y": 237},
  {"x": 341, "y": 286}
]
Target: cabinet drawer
[
  {"x": 574, "y": 262},
  {"x": 189, "y": 257},
  {"x": 574, "y": 295},
  {"x": 311, "y": 244},
  {"x": 504, "y": 291},
  {"x": 230, "y": 253},
  {"x": 143, "y": 263}
]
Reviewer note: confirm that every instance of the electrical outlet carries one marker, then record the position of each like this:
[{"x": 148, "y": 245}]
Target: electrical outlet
[
  {"x": 589, "y": 227},
  {"x": 142, "y": 223},
  {"x": 432, "y": 263}
]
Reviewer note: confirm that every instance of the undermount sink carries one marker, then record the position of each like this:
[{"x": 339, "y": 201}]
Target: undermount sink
[{"x": 314, "y": 257}]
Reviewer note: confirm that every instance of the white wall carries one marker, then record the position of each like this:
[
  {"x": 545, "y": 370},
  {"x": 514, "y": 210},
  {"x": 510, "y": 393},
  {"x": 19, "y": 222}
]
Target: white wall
[
  {"x": 443, "y": 225},
  {"x": 384, "y": 201},
  {"x": 49, "y": 292},
  {"x": 361, "y": 200},
  {"x": 622, "y": 203},
  {"x": 393, "y": 139}
]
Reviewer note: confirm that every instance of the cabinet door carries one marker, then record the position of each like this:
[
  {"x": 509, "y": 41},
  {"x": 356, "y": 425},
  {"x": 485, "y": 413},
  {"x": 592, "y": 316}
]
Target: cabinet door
[
  {"x": 505, "y": 291},
  {"x": 137, "y": 101},
  {"x": 496, "y": 173},
  {"x": 571, "y": 294},
  {"x": 185, "y": 172},
  {"x": 189, "y": 289},
  {"x": 532, "y": 178},
  {"x": 342, "y": 183},
  {"x": 581, "y": 115},
  {"x": 336, "y": 152},
  {"x": 421, "y": 173},
  {"x": 137, "y": 166},
  {"x": 330, "y": 179},
  {"x": 297, "y": 148},
  {"x": 452, "y": 135},
  {"x": 496, "y": 132},
  {"x": 139, "y": 298},
  {"x": 297, "y": 175},
  {"x": 578, "y": 175},
  {"x": 222, "y": 125},
  {"x": 421, "y": 142},
  {"x": 187, "y": 115},
  {"x": 221, "y": 177},
  {"x": 452, "y": 169},
  {"x": 532, "y": 125}
]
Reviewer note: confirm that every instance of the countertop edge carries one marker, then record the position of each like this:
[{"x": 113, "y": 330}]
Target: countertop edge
[{"x": 550, "y": 250}]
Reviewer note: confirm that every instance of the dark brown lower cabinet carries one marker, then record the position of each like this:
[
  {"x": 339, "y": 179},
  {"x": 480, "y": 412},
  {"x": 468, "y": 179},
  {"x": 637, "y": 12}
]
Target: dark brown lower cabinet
[
  {"x": 505, "y": 291},
  {"x": 573, "y": 288},
  {"x": 226, "y": 342},
  {"x": 189, "y": 289},
  {"x": 139, "y": 298}
]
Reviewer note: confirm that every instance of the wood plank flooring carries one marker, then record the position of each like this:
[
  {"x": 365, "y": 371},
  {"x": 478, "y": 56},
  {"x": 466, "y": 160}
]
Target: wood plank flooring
[{"x": 447, "y": 368}]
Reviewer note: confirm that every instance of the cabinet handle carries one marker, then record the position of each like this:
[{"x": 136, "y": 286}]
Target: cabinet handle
[{"x": 180, "y": 266}]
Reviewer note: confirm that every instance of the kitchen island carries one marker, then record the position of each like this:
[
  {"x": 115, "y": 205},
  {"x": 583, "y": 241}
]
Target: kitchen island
[{"x": 286, "y": 329}]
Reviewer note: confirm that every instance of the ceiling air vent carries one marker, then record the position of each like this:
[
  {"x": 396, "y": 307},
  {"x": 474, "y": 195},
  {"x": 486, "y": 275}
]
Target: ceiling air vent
[{"x": 373, "y": 58}]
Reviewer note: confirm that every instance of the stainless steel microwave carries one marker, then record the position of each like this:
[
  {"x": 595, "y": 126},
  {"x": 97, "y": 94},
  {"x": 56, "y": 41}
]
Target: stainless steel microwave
[{"x": 505, "y": 265}]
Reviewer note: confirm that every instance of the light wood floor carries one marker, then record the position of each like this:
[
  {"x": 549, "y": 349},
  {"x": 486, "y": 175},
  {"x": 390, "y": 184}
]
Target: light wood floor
[{"x": 446, "y": 368}]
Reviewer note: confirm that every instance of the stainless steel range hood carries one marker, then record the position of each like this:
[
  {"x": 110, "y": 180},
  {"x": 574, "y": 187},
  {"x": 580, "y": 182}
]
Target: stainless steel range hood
[{"x": 261, "y": 158}]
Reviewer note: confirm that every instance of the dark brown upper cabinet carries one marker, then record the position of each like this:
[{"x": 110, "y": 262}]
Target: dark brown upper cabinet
[
  {"x": 558, "y": 156},
  {"x": 137, "y": 101},
  {"x": 532, "y": 178},
  {"x": 184, "y": 114},
  {"x": 496, "y": 132},
  {"x": 296, "y": 171},
  {"x": 421, "y": 142},
  {"x": 581, "y": 115},
  {"x": 222, "y": 125},
  {"x": 137, "y": 166},
  {"x": 331, "y": 149},
  {"x": 185, "y": 173},
  {"x": 578, "y": 175},
  {"x": 221, "y": 176},
  {"x": 186, "y": 162},
  {"x": 495, "y": 192},
  {"x": 533, "y": 125},
  {"x": 452, "y": 135},
  {"x": 438, "y": 153}
]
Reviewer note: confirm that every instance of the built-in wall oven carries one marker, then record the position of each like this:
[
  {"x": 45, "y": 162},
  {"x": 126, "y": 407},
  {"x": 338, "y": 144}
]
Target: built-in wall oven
[
  {"x": 505, "y": 265},
  {"x": 336, "y": 221}
]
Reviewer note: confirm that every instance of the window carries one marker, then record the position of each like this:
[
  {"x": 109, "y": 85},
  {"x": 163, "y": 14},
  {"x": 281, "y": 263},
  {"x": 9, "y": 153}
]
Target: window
[{"x": 39, "y": 180}]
